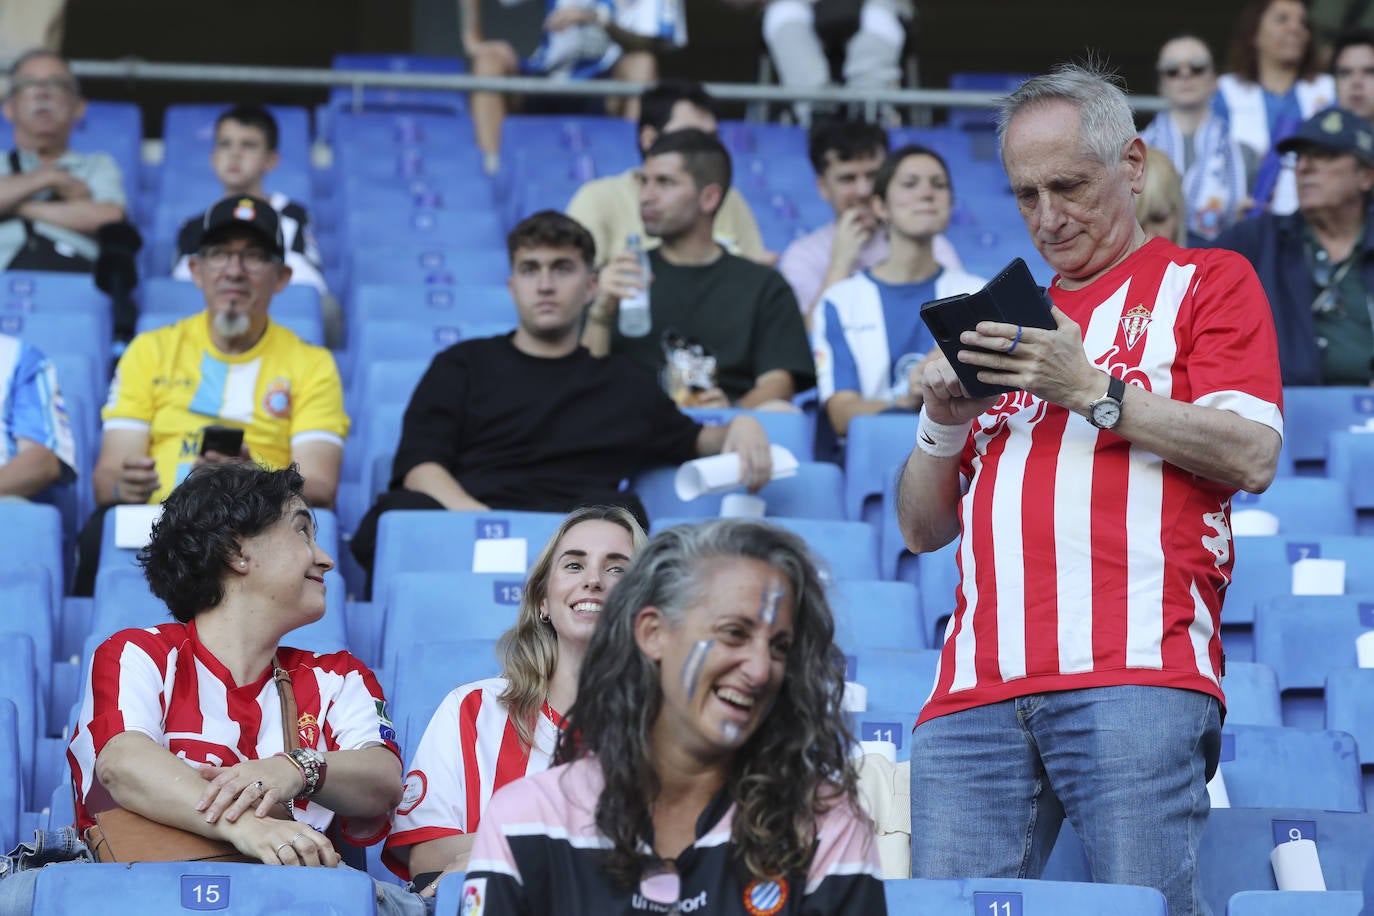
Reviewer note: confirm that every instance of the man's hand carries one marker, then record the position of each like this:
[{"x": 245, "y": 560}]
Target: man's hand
[
  {"x": 852, "y": 231},
  {"x": 623, "y": 277},
  {"x": 566, "y": 17},
  {"x": 1049, "y": 364},
  {"x": 711, "y": 397},
  {"x": 946, "y": 401},
  {"x": 68, "y": 187},
  {"x": 745, "y": 437},
  {"x": 214, "y": 457},
  {"x": 138, "y": 481}
]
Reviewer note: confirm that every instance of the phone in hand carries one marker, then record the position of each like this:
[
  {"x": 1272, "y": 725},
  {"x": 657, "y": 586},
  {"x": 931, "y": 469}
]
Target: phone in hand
[
  {"x": 1011, "y": 297},
  {"x": 227, "y": 440}
]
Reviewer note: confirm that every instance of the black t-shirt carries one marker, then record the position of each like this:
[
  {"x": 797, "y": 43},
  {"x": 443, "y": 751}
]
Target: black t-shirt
[
  {"x": 526, "y": 432},
  {"x": 743, "y": 312}
]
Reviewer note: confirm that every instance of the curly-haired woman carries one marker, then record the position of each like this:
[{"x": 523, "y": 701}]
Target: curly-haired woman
[
  {"x": 490, "y": 732},
  {"x": 704, "y": 766}
]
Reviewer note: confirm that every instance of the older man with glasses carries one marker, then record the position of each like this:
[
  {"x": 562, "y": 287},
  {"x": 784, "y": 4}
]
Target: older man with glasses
[
  {"x": 1197, "y": 140},
  {"x": 229, "y": 365},
  {"x": 52, "y": 198},
  {"x": 1317, "y": 265}
]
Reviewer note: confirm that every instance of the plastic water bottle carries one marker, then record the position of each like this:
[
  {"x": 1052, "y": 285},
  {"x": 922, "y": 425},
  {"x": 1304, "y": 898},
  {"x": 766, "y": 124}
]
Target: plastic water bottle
[{"x": 635, "y": 320}]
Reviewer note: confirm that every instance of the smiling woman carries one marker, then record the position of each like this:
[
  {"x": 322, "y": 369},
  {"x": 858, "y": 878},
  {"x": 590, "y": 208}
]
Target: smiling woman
[
  {"x": 490, "y": 732},
  {"x": 708, "y": 741}
]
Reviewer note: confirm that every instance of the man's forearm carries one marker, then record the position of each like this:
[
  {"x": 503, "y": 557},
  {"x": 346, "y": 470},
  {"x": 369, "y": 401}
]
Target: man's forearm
[
  {"x": 29, "y": 472},
  {"x": 433, "y": 480},
  {"x": 596, "y": 331},
  {"x": 84, "y": 216},
  {"x": 928, "y": 494},
  {"x": 773, "y": 385},
  {"x": 15, "y": 189}
]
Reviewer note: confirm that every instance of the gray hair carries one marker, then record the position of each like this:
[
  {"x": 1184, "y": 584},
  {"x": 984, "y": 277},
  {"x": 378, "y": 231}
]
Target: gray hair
[
  {"x": 1107, "y": 124},
  {"x": 34, "y": 54}
]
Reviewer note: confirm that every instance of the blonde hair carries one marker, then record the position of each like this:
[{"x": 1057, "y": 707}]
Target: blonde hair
[
  {"x": 1163, "y": 194},
  {"x": 529, "y": 650}
]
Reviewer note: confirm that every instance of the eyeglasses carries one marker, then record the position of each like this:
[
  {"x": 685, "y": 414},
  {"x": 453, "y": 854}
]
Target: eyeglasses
[
  {"x": 1191, "y": 68},
  {"x": 252, "y": 260},
  {"x": 55, "y": 83}
]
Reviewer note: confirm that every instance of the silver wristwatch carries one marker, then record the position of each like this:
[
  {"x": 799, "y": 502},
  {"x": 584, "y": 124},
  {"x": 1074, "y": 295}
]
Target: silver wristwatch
[
  {"x": 1105, "y": 412},
  {"x": 313, "y": 766}
]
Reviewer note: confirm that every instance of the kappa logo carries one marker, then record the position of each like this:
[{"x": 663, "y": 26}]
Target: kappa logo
[
  {"x": 1134, "y": 324},
  {"x": 765, "y": 898}
]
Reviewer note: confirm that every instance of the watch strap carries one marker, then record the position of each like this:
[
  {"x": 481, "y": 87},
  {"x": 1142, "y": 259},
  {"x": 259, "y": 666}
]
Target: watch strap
[{"x": 1116, "y": 389}]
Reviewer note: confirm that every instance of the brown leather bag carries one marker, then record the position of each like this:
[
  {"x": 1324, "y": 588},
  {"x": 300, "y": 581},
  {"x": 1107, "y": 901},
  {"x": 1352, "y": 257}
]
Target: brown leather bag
[{"x": 120, "y": 835}]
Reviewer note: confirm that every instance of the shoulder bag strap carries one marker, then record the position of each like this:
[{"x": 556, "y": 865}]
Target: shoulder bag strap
[
  {"x": 287, "y": 694},
  {"x": 17, "y": 168}
]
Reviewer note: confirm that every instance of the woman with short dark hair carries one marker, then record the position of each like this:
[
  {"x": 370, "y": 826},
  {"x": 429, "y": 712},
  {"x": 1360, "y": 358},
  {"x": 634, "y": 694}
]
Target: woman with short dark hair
[{"x": 705, "y": 762}]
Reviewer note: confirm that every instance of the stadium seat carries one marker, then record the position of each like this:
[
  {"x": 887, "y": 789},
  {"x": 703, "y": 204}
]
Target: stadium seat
[
  {"x": 1311, "y": 414},
  {"x": 19, "y": 685},
  {"x": 1252, "y": 694},
  {"x": 846, "y": 550},
  {"x": 448, "y": 901},
  {"x": 1264, "y": 568},
  {"x": 1304, "y": 506},
  {"x": 815, "y": 492},
  {"x": 795, "y": 432},
  {"x": 28, "y": 596},
  {"x": 875, "y": 445},
  {"x": 381, "y": 385},
  {"x": 371, "y": 131},
  {"x": 115, "y": 128},
  {"x": 440, "y": 541},
  {"x": 166, "y": 301},
  {"x": 487, "y": 303},
  {"x": 1295, "y": 903},
  {"x": 1000, "y": 896},
  {"x": 56, "y": 332},
  {"x": 11, "y": 770},
  {"x": 938, "y": 578},
  {"x": 877, "y": 615},
  {"x": 431, "y": 670},
  {"x": 1302, "y": 638},
  {"x": 981, "y": 81},
  {"x": 188, "y": 134},
  {"x": 896, "y": 679},
  {"x": 1350, "y": 708},
  {"x": 1348, "y": 460},
  {"x": 420, "y": 604},
  {"x": 888, "y": 725},
  {"x": 445, "y": 265},
  {"x": 394, "y": 339},
  {"x": 1236, "y": 843},
  {"x": 30, "y": 291},
  {"x": 31, "y": 536},
  {"x": 174, "y": 887},
  {"x": 374, "y": 98},
  {"x": 1267, "y": 767}
]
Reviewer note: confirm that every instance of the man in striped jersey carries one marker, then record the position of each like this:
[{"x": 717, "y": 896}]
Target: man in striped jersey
[{"x": 1081, "y": 670}]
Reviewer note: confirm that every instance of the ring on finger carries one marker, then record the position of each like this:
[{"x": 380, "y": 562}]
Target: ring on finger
[
  {"x": 281, "y": 847},
  {"x": 1015, "y": 340},
  {"x": 261, "y": 790}
]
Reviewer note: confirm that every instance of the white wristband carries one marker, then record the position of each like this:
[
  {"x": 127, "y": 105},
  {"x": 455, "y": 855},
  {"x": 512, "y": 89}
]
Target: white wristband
[{"x": 938, "y": 439}]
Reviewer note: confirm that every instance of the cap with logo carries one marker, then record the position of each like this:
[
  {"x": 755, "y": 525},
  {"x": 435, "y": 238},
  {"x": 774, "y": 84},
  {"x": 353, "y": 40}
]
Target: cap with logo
[
  {"x": 1336, "y": 130},
  {"x": 244, "y": 212}
]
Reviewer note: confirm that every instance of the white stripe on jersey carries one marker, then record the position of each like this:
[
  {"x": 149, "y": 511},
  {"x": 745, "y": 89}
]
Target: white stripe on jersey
[
  {"x": 1007, "y": 508},
  {"x": 1200, "y": 632},
  {"x": 240, "y": 391}
]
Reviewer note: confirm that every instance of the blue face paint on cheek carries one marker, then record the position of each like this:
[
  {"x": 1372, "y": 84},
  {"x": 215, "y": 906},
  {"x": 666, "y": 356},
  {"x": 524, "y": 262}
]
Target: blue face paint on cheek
[{"x": 691, "y": 669}]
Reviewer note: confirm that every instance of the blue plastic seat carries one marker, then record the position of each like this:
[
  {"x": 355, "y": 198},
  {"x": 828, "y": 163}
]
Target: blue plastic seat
[
  {"x": 455, "y": 193},
  {"x": 874, "y": 446},
  {"x": 1350, "y": 706},
  {"x": 1268, "y": 767},
  {"x": 53, "y": 332},
  {"x": 814, "y": 492},
  {"x": 412, "y": 540},
  {"x": 188, "y": 132},
  {"x": 432, "y": 669},
  {"x": 174, "y": 887},
  {"x": 1311, "y": 414},
  {"x": 411, "y": 226},
  {"x": 1295, "y": 903},
  {"x": 487, "y": 303},
  {"x": 1234, "y": 855},
  {"x": 397, "y": 339},
  {"x": 981, "y": 81},
  {"x": 375, "y": 98},
  {"x": 442, "y": 264},
  {"x": 27, "y": 590},
  {"x": 31, "y": 536},
  {"x": 877, "y": 615},
  {"x": 1349, "y": 458},
  {"x": 382, "y": 384},
  {"x": 1304, "y": 506},
  {"x": 998, "y": 896},
  {"x": 115, "y": 128},
  {"x": 845, "y": 550},
  {"x": 11, "y": 774},
  {"x": 389, "y": 129},
  {"x": 794, "y": 431},
  {"x": 897, "y": 680},
  {"x": 1264, "y": 569},
  {"x": 1304, "y": 637},
  {"x": 1252, "y": 694},
  {"x": 19, "y": 685}
]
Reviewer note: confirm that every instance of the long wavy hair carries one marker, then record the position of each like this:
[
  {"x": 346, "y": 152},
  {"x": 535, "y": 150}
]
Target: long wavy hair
[
  {"x": 794, "y": 767},
  {"x": 1242, "y": 57},
  {"x": 529, "y": 650}
]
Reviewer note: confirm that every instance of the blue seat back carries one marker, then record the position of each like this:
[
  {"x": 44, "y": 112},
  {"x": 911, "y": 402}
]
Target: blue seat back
[
  {"x": 998, "y": 896},
  {"x": 1350, "y": 707},
  {"x": 874, "y": 614},
  {"x": 1311, "y": 414},
  {"x": 1252, "y": 694},
  {"x": 814, "y": 492},
  {"x": 1295, "y": 903},
  {"x": 1268, "y": 767},
  {"x": 1304, "y": 506},
  {"x": 429, "y": 672}
]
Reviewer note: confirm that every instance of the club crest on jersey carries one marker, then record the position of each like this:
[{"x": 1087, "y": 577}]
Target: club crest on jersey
[
  {"x": 309, "y": 728},
  {"x": 1134, "y": 324},
  {"x": 277, "y": 399},
  {"x": 245, "y": 211},
  {"x": 765, "y": 898},
  {"x": 416, "y": 786}
]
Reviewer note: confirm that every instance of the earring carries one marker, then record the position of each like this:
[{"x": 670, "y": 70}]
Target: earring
[
  {"x": 544, "y": 617},
  {"x": 243, "y": 564}
]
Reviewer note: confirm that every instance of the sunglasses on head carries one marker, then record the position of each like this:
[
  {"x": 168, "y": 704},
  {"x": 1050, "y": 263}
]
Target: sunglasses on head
[{"x": 1192, "y": 68}]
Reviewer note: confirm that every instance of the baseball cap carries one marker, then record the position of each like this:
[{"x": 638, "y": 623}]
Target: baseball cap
[
  {"x": 245, "y": 212},
  {"x": 1336, "y": 130}
]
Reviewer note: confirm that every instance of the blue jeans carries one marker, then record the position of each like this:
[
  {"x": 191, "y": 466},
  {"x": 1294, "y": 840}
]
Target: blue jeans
[
  {"x": 19, "y": 870},
  {"x": 1128, "y": 766}
]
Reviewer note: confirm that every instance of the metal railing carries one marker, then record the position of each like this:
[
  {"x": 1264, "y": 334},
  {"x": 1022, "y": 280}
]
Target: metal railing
[{"x": 133, "y": 70}]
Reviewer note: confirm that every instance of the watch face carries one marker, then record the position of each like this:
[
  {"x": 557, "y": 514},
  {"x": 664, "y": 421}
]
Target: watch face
[{"x": 1106, "y": 413}]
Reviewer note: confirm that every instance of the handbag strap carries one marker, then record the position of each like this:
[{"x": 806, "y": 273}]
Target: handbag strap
[
  {"x": 287, "y": 695},
  {"x": 17, "y": 168}
]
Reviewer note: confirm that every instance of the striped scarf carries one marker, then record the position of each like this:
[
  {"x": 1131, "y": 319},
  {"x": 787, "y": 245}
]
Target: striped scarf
[{"x": 1214, "y": 186}]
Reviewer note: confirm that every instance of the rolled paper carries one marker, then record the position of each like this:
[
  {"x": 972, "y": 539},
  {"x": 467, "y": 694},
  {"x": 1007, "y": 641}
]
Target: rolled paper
[
  {"x": 1297, "y": 867},
  {"x": 742, "y": 505},
  {"x": 720, "y": 473}
]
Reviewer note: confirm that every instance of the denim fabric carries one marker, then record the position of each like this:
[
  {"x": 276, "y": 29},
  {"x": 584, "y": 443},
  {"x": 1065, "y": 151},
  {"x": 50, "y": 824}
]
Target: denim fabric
[
  {"x": 1127, "y": 765},
  {"x": 394, "y": 900},
  {"x": 19, "y": 870}
]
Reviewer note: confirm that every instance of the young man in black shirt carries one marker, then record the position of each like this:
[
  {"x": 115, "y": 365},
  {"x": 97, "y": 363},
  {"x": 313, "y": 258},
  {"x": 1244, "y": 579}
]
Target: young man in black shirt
[{"x": 531, "y": 420}]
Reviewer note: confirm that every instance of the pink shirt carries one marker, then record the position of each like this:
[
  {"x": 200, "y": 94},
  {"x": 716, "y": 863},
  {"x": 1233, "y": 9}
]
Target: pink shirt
[{"x": 804, "y": 263}]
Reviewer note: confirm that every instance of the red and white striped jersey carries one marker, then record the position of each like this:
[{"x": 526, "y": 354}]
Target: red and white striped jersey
[
  {"x": 1086, "y": 560},
  {"x": 469, "y": 750},
  {"x": 163, "y": 682}
]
